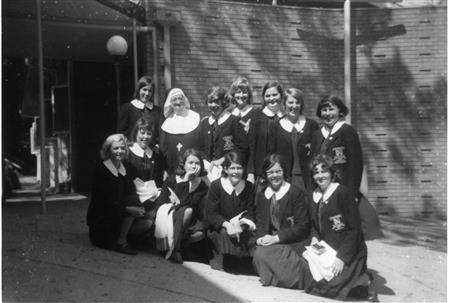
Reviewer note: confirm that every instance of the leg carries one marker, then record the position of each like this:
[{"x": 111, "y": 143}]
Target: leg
[{"x": 122, "y": 245}]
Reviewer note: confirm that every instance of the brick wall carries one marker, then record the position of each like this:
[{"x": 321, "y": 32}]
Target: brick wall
[{"x": 399, "y": 98}]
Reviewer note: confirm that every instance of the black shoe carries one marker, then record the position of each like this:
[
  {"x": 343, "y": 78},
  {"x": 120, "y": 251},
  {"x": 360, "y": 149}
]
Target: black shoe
[
  {"x": 372, "y": 295},
  {"x": 125, "y": 249},
  {"x": 175, "y": 257}
]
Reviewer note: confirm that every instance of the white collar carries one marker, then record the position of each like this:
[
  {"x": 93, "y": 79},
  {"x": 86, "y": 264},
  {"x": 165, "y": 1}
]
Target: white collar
[
  {"x": 228, "y": 187},
  {"x": 335, "y": 128},
  {"x": 284, "y": 188},
  {"x": 176, "y": 124},
  {"x": 193, "y": 184},
  {"x": 222, "y": 118},
  {"x": 318, "y": 195},
  {"x": 235, "y": 112},
  {"x": 110, "y": 166},
  {"x": 138, "y": 151},
  {"x": 270, "y": 113},
  {"x": 245, "y": 111},
  {"x": 287, "y": 125},
  {"x": 138, "y": 104}
]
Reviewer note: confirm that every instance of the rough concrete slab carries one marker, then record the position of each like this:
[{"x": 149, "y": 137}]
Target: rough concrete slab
[{"x": 48, "y": 258}]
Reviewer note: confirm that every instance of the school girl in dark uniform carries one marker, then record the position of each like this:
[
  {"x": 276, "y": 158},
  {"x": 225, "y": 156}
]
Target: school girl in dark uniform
[
  {"x": 230, "y": 211},
  {"x": 180, "y": 130},
  {"x": 340, "y": 141},
  {"x": 141, "y": 106},
  {"x": 291, "y": 139},
  {"x": 146, "y": 164},
  {"x": 221, "y": 132},
  {"x": 272, "y": 95},
  {"x": 335, "y": 220},
  {"x": 114, "y": 213},
  {"x": 282, "y": 223},
  {"x": 188, "y": 206}
]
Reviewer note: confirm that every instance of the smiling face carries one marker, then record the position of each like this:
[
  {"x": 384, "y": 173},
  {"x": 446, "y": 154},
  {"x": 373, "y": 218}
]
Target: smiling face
[
  {"x": 275, "y": 176},
  {"x": 192, "y": 165},
  {"x": 322, "y": 176},
  {"x": 178, "y": 103},
  {"x": 118, "y": 151},
  {"x": 330, "y": 114},
  {"x": 145, "y": 93},
  {"x": 293, "y": 106},
  {"x": 272, "y": 98},
  {"x": 143, "y": 137},
  {"x": 215, "y": 109},
  {"x": 234, "y": 172},
  {"x": 241, "y": 99}
]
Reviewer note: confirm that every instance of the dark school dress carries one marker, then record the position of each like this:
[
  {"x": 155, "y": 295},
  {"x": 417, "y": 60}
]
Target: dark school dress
[
  {"x": 109, "y": 196},
  {"x": 132, "y": 111},
  {"x": 338, "y": 224},
  {"x": 193, "y": 199},
  {"x": 146, "y": 165},
  {"x": 219, "y": 136},
  {"x": 296, "y": 156},
  {"x": 258, "y": 136},
  {"x": 177, "y": 135},
  {"x": 223, "y": 203},
  {"x": 285, "y": 215},
  {"x": 344, "y": 147}
]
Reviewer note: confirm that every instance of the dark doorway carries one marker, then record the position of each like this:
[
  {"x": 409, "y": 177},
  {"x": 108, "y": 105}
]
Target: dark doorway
[{"x": 94, "y": 114}]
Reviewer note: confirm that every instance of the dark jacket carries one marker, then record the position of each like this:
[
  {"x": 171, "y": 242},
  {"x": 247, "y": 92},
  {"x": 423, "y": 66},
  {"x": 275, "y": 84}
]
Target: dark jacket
[
  {"x": 341, "y": 224},
  {"x": 345, "y": 149}
]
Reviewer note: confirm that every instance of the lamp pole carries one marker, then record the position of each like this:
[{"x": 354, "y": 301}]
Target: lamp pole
[{"x": 117, "y": 47}]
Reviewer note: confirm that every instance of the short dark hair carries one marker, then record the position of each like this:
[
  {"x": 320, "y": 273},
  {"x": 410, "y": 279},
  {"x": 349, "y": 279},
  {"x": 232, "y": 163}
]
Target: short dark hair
[
  {"x": 296, "y": 94},
  {"x": 142, "y": 123},
  {"x": 327, "y": 163},
  {"x": 233, "y": 157},
  {"x": 271, "y": 84},
  {"x": 270, "y": 161},
  {"x": 144, "y": 81},
  {"x": 217, "y": 94},
  {"x": 182, "y": 159},
  {"x": 333, "y": 100}
]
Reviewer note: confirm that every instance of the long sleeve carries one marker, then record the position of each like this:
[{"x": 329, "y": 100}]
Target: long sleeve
[
  {"x": 213, "y": 214},
  {"x": 299, "y": 230},
  {"x": 240, "y": 138},
  {"x": 351, "y": 243},
  {"x": 355, "y": 163},
  {"x": 252, "y": 145},
  {"x": 262, "y": 215}
]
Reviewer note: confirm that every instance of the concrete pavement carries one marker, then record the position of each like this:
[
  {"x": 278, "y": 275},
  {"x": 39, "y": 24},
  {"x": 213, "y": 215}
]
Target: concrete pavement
[{"x": 48, "y": 258}]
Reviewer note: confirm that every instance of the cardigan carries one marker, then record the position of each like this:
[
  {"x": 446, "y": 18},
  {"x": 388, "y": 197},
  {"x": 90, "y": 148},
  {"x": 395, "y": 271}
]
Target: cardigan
[
  {"x": 258, "y": 138},
  {"x": 280, "y": 142},
  {"x": 109, "y": 196},
  {"x": 293, "y": 215},
  {"x": 340, "y": 224},
  {"x": 228, "y": 136},
  {"x": 221, "y": 206},
  {"x": 345, "y": 149},
  {"x": 129, "y": 114}
]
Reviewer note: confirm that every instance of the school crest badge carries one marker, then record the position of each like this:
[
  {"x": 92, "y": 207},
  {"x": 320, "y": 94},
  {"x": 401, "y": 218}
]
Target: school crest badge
[
  {"x": 339, "y": 156},
  {"x": 246, "y": 125},
  {"x": 308, "y": 149},
  {"x": 338, "y": 224},
  {"x": 228, "y": 145}
]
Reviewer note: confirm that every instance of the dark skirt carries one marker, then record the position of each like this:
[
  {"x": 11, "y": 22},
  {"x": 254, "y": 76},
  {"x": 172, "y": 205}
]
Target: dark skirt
[
  {"x": 354, "y": 274},
  {"x": 280, "y": 265},
  {"x": 224, "y": 244},
  {"x": 104, "y": 236}
]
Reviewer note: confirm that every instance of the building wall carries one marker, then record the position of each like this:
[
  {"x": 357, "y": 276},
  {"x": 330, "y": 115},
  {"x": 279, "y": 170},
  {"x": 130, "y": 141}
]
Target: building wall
[{"x": 399, "y": 94}]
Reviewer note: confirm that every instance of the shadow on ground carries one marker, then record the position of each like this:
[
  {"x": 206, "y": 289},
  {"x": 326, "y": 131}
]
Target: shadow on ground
[{"x": 431, "y": 234}]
